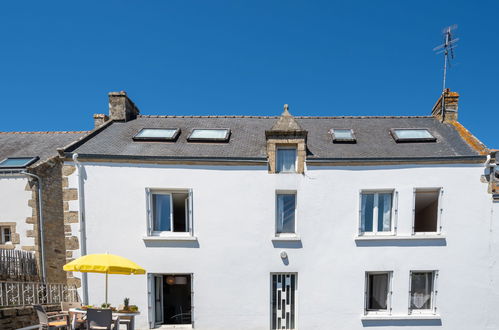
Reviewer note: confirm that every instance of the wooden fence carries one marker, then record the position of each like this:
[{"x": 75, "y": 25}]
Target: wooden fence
[{"x": 18, "y": 265}]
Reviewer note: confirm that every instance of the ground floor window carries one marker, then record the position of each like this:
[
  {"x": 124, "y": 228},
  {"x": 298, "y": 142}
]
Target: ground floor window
[
  {"x": 171, "y": 299},
  {"x": 422, "y": 291},
  {"x": 283, "y": 300},
  {"x": 378, "y": 292},
  {"x": 5, "y": 234}
]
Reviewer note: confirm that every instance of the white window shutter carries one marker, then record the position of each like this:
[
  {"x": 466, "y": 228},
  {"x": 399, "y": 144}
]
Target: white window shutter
[
  {"x": 365, "y": 293},
  {"x": 435, "y": 291},
  {"x": 396, "y": 210},
  {"x": 192, "y": 300},
  {"x": 360, "y": 216},
  {"x": 414, "y": 211},
  {"x": 390, "y": 282},
  {"x": 441, "y": 209},
  {"x": 149, "y": 211},
  {"x": 190, "y": 205},
  {"x": 410, "y": 290},
  {"x": 150, "y": 299}
]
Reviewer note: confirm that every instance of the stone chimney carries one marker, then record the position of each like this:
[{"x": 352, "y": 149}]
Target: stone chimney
[
  {"x": 99, "y": 119},
  {"x": 121, "y": 108},
  {"x": 447, "y": 112}
]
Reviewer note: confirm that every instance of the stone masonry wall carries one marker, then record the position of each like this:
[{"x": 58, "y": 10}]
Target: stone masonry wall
[
  {"x": 18, "y": 317},
  {"x": 70, "y": 218},
  {"x": 53, "y": 216}
]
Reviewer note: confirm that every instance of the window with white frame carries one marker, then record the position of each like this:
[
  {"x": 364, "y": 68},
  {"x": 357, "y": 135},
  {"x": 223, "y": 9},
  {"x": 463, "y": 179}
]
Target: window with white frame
[
  {"x": 422, "y": 292},
  {"x": 376, "y": 212},
  {"x": 5, "y": 234},
  {"x": 378, "y": 292},
  {"x": 169, "y": 212},
  {"x": 426, "y": 210},
  {"x": 286, "y": 159},
  {"x": 285, "y": 213}
]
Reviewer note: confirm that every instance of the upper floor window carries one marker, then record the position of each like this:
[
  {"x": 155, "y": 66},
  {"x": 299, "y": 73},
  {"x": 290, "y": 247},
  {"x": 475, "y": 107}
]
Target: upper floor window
[
  {"x": 376, "y": 212},
  {"x": 378, "y": 292},
  {"x": 285, "y": 213},
  {"x": 427, "y": 210},
  {"x": 286, "y": 159},
  {"x": 422, "y": 291},
  {"x": 169, "y": 212},
  {"x": 5, "y": 235}
]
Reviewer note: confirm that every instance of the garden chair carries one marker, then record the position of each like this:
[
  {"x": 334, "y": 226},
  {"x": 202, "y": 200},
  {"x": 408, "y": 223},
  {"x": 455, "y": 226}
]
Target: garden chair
[
  {"x": 62, "y": 320},
  {"x": 77, "y": 320},
  {"x": 101, "y": 319},
  {"x": 125, "y": 320}
]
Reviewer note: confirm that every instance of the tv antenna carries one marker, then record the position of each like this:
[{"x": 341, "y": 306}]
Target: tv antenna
[{"x": 447, "y": 48}]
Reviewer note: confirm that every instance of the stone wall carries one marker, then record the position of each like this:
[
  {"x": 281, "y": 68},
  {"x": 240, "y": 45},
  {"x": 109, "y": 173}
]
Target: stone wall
[
  {"x": 71, "y": 217},
  {"x": 19, "y": 317},
  {"x": 53, "y": 216}
]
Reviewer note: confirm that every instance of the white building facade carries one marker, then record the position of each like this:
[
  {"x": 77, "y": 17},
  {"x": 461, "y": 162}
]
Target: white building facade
[{"x": 290, "y": 223}]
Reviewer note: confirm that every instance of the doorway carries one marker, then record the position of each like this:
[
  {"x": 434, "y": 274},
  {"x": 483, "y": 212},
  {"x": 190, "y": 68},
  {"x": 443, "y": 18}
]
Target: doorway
[{"x": 172, "y": 299}]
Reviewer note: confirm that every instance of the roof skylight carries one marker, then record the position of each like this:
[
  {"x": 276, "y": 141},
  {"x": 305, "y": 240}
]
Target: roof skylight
[
  {"x": 17, "y": 162},
  {"x": 412, "y": 135},
  {"x": 343, "y": 135},
  {"x": 157, "y": 134},
  {"x": 209, "y": 134}
]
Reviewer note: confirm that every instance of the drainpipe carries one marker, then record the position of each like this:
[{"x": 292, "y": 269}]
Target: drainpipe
[
  {"x": 81, "y": 218},
  {"x": 40, "y": 216}
]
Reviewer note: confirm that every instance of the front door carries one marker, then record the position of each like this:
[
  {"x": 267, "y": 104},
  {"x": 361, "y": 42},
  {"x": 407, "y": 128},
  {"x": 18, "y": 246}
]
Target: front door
[
  {"x": 170, "y": 299},
  {"x": 283, "y": 301}
]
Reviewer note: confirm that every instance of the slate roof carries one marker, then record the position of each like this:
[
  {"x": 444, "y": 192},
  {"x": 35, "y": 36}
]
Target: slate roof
[
  {"x": 247, "y": 140},
  {"x": 35, "y": 144}
]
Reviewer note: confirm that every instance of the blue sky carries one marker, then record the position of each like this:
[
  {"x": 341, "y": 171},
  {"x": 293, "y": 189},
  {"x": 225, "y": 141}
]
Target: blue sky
[{"x": 59, "y": 59}]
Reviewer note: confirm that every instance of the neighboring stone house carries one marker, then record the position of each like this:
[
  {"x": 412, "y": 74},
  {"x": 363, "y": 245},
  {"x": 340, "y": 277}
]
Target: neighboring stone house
[
  {"x": 26, "y": 157},
  {"x": 282, "y": 222}
]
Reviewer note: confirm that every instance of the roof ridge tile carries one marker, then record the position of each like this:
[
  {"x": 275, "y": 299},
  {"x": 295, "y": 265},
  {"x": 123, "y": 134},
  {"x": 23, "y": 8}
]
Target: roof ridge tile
[
  {"x": 47, "y": 132},
  {"x": 275, "y": 117}
]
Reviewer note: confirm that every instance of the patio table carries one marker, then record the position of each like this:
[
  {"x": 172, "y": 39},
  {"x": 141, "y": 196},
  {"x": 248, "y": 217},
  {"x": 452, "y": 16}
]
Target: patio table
[{"x": 115, "y": 314}]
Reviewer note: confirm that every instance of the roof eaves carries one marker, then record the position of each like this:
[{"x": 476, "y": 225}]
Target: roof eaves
[
  {"x": 170, "y": 158},
  {"x": 471, "y": 158}
]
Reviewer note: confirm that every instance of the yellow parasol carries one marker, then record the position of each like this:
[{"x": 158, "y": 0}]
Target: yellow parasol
[{"x": 105, "y": 264}]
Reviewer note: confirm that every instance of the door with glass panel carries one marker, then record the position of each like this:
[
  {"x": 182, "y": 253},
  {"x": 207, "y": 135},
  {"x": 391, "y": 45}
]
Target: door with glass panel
[
  {"x": 283, "y": 300},
  {"x": 158, "y": 300}
]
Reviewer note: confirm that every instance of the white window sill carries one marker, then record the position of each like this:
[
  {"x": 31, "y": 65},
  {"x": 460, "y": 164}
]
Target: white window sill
[
  {"x": 169, "y": 238},
  {"x": 286, "y": 238},
  {"x": 398, "y": 237},
  {"x": 175, "y": 326},
  {"x": 386, "y": 317}
]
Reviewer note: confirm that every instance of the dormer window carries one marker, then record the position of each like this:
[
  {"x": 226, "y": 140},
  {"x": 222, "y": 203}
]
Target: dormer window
[
  {"x": 343, "y": 135},
  {"x": 157, "y": 134},
  {"x": 412, "y": 135},
  {"x": 286, "y": 159},
  {"x": 286, "y": 145},
  {"x": 209, "y": 135}
]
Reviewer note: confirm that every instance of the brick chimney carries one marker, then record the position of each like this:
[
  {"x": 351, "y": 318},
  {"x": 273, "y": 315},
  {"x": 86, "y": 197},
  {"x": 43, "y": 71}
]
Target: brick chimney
[
  {"x": 121, "y": 108},
  {"x": 447, "y": 112},
  {"x": 99, "y": 119}
]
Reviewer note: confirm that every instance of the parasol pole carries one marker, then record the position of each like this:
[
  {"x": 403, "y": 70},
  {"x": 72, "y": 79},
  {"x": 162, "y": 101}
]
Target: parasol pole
[{"x": 106, "y": 289}]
